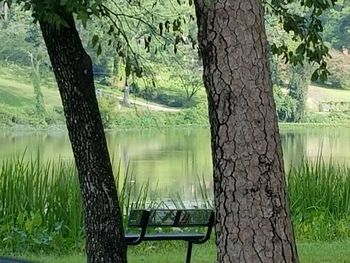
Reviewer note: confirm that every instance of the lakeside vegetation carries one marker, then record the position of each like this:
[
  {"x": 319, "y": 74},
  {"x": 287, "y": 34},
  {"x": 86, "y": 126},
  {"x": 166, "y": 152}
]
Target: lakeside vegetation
[
  {"x": 42, "y": 211},
  {"x": 18, "y": 107}
]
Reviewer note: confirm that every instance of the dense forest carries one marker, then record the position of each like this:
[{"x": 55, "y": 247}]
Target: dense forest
[{"x": 154, "y": 63}]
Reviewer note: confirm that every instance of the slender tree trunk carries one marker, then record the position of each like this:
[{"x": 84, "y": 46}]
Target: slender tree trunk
[
  {"x": 73, "y": 70},
  {"x": 116, "y": 61},
  {"x": 5, "y": 7},
  {"x": 38, "y": 95},
  {"x": 253, "y": 219}
]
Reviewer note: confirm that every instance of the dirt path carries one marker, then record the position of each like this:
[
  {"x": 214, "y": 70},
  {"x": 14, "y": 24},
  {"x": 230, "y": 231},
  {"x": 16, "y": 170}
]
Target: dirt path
[
  {"x": 136, "y": 102},
  {"x": 150, "y": 105}
]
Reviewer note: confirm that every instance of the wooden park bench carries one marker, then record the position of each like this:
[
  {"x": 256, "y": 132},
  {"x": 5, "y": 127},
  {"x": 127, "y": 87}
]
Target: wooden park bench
[{"x": 184, "y": 219}]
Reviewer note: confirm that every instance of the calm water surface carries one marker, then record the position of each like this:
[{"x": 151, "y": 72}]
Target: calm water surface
[{"x": 172, "y": 160}]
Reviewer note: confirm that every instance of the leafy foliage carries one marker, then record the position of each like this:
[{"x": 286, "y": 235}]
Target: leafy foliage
[
  {"x": 339, "y": 67},
  {"x": 123, "y": 17},
  {"x": 297, "y": 88},
  {"x": 337, "y": 25},
  {"x": 302, "y": 20},
  {"x": 285, "y": 104}
]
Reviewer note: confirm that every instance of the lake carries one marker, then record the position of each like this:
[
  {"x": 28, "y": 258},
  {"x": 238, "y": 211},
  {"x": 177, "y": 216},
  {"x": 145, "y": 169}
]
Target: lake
[{"x": 173, "y": 160}]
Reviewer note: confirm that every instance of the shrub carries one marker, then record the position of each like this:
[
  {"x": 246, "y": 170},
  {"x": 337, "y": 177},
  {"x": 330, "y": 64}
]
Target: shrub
[
  {"x": 108, "y": 111},
  {"x": 285, "y": 105},
  {"x": 339, "y": 67}
]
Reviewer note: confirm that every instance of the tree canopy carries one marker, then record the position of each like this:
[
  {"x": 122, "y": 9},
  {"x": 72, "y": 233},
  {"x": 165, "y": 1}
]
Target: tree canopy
[{"x": 128, "y": 20}]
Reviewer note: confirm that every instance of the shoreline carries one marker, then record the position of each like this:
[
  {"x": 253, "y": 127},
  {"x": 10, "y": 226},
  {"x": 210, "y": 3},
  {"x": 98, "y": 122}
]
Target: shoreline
[{"x": 62, "y": 127}]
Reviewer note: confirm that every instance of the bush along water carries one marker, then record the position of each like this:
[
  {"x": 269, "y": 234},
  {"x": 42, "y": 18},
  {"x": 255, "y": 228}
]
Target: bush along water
[{"x": 40, "y": 205}]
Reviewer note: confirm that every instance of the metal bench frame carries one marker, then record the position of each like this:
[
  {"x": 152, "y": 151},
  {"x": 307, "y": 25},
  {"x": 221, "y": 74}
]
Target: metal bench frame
[{"x": 192, "y": 238}]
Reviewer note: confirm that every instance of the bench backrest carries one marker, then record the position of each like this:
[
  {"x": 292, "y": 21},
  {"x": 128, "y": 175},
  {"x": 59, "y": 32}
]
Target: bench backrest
[{"x": 171, "y": 218}]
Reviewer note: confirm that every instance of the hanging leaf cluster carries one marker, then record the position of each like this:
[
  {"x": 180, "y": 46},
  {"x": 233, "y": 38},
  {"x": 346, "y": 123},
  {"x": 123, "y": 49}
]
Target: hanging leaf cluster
[{"x": 153, "y": 30}]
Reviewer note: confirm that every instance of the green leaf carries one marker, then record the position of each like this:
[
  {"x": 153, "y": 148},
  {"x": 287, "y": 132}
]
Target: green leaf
[
  {"x": 314, "y": 76},
  {"x": 99, "y": 50},
  {"x": 20, "y": 219},
  {"x": 127, "y": 68},
  {"x": 63, "y": 2},
  {"x": 95, "y": 40},
  {"x": 83, "y": 16},
  {"x": 167, "y": 25},
  {"x": 29, "y": 226},
  {"x": 161, "y": 29},
  {"x": 111, "y": 30},
  {"x": 323, "y": 76},
  {"x": 138, "y": 72},
  {"x": 301, "y": 49},
  {"x": 176, "y": 25},
  {"x": 37, "y": 220}
]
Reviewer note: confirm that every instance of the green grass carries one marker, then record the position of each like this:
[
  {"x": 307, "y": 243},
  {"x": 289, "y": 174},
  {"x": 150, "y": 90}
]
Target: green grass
[
  {"x": 16, "y": 88},
  {"x": 307, "y": 125},
  {"x": 17, "y": 98},
  {"x": 325, "y": 252},
  {"x": 316, "y": 252},
  {"x": 317, "y": 94}
]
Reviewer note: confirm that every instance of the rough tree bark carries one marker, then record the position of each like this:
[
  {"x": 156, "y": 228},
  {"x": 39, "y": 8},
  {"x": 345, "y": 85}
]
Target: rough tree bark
[
  {"x": 73, "y": 70},
  {"x": 253, "y": 218}
]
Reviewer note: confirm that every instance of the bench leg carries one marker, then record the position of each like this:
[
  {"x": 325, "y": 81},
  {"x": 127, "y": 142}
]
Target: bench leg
[{"x": 189, "y": 252}]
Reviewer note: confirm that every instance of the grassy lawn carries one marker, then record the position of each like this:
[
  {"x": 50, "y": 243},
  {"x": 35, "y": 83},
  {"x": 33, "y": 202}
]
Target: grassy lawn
[
  {"x": 318, "y": 252},
  {"x": 333, "y": 252},
  {"x": 318, "y": 94},
  {"x": 16, "y": 89}
]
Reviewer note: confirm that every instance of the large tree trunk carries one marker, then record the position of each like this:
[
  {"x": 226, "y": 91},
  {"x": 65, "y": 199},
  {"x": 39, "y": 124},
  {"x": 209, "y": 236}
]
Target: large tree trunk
[
  {"x": 73, "y": 70},
  {"x": 253, "y": 218}
]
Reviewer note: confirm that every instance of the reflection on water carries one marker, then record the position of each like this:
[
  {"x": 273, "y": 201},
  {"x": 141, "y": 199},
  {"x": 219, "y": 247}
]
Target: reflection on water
[
  {"x": 313, "y": 143},
  {"x": 173, "y": 160}
]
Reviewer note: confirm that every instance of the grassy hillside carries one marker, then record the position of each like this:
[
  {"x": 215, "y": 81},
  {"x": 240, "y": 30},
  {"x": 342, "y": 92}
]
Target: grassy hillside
[
  {"x": 17, "y": 97},
  {"x": 16, "y": 89},
  {"x": 317, "y": 95},
  {"x": 17, "y": 103}
]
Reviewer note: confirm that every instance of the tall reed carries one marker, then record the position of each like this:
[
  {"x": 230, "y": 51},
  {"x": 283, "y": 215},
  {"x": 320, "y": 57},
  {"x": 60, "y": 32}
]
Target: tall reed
[
  {"x": 40, "y": 203},
  {"x": 319, "y": 186},
  {"x": 319, "y": 197}
]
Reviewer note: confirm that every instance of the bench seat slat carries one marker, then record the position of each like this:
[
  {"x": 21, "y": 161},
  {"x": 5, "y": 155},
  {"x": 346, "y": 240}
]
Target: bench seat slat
[
  {"x": 170, "y": 218},
  {"x": 167, "y": 236}
]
